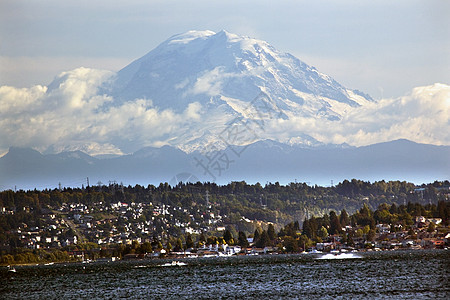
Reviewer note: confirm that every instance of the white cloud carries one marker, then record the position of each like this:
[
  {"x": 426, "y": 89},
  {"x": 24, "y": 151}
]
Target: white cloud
[
  {"x": 182, "y": 84},
  {"x": 193, "y": 111},
  {"x": 211, "y": 82},
  {"x": 422, "y": 116},
  {"x": 15, "y": 100},
  {"x": 69, "y": 115}
]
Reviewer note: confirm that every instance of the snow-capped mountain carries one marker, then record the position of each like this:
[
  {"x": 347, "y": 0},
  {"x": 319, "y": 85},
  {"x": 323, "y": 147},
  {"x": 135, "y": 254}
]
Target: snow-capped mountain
[
  {"x": 223, "y": 76},
  {"x": 202, "y": 91},
  {"x": 205, "y": 66},
  {"x": 219, "y": 107}
]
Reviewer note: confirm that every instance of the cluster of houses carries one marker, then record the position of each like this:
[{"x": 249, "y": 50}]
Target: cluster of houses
[
  {"x": 392, "y": 237},
  {"x": 123, "y": 223},
  {"x": 117, "y": 223}
]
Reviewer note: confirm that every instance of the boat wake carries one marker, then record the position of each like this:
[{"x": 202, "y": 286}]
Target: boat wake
[
  {"x": 140, "y": 266},
  {"x": 339, "y": 256}
]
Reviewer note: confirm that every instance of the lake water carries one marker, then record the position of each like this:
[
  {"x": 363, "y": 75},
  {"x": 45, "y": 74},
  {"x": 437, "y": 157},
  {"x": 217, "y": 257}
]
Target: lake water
[{"x": 373, "y": 275}]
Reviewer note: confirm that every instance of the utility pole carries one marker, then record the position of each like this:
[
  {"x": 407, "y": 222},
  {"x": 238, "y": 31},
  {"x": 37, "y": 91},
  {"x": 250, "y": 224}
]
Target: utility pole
[{"x": 261, "y": 201}]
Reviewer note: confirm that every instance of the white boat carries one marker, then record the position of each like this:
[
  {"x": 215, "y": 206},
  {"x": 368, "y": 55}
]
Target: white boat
[
  {"x": 314, "y": 251},
  {"x": 174, "y": 263},
  {"x": 221, "y": 254},
  {"x": 11, "y": 269}
]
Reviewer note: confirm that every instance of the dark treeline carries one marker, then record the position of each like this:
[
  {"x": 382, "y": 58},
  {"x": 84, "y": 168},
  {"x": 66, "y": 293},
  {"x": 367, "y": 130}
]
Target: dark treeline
[
  {"x": 397, "y": 216},
  {"x": 360, "y": 225}
]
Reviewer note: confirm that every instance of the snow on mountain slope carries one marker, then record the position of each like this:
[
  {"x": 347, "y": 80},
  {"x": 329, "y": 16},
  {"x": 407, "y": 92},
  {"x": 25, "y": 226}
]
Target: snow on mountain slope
[
  {"x": 224, "y": 73},
  {"x": 198, "y": 65}
]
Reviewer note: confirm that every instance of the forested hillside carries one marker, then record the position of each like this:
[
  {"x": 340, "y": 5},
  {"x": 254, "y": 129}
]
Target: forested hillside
[
  {"x": 273, "y": 202},
  {"x": 118, "y": 220}
]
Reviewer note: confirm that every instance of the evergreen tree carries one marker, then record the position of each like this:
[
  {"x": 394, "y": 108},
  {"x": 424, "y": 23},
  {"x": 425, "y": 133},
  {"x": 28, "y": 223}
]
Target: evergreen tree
[
  {"x": 335, "y": 225},
  {"x": 145, "y": 247},
  {"x": 271, "y": 232},
  {"x": 371, "y": 235},
  {"x": 350, "y": 241},
  {"x": 242, "y": 240},
  {"x": 307, "y": 230},
  {"x": 304, "y": 242},
  {"x": 211, "y": 240},
  {"x": 296, "y": 226},
  {"x": 202, "y": 238},
  {"x": 365, "y": 211},
  {"x": 431, "y": 227},
  {"x": 312, "y": 227},
  {"x": 189, "y": 241},
  {"x": 443, "y": 211},
  {"x": 256, "y": 235},
  {"x": 323, "y": 233},
  {"x": 155, "y": 241},
  {"x": 263, "y": 240},
  {"x": 291, "y": 229},
  {"x": 228, "y": 237},
  {"x": 343, "y": 218},
  {"x": 290, "y": 244}
]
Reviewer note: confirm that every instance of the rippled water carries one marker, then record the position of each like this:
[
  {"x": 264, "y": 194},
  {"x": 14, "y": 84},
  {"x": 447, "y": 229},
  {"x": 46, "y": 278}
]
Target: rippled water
[{"x": 380, "y": 275}]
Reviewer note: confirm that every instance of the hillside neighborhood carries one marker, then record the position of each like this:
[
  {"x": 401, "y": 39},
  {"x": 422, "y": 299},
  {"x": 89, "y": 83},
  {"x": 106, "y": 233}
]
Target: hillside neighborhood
[{"x": 127, "y": 228}]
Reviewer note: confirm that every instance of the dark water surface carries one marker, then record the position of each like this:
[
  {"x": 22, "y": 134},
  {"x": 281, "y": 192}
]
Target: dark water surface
[{"x": 377, "y": 275}]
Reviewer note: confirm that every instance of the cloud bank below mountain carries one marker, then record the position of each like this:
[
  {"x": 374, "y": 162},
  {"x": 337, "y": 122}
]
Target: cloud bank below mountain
[{"x": 71, "y": 116}]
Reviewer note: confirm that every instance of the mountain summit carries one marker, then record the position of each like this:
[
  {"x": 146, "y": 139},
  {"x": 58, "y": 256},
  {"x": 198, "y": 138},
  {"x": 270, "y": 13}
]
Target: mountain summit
[
  {"x": 216, "y": 78},
  {"x": 222, "y": 68}
]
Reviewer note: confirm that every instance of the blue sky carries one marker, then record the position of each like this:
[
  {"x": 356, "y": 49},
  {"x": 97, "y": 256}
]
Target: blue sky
[{"x": 384, "y": 48}]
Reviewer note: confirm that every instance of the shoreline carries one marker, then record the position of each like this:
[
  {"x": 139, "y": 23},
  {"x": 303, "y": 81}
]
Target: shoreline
[{"x": 174, "y": 258}]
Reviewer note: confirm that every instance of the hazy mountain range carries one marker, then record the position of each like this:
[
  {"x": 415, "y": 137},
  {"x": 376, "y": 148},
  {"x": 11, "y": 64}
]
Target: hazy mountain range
[
  {"x": 222, "y": 100},
  {"x": 260, "y": 162}
]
